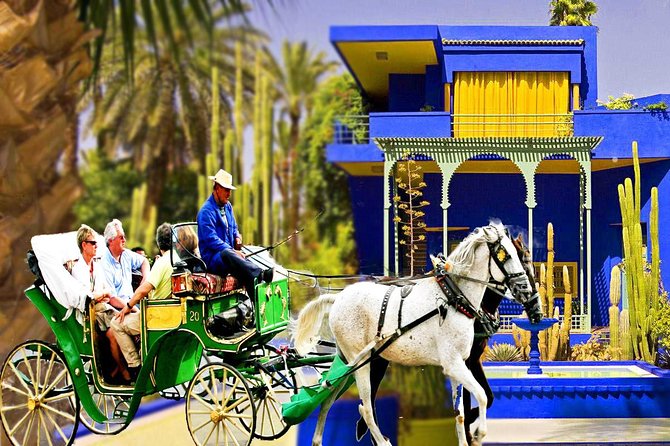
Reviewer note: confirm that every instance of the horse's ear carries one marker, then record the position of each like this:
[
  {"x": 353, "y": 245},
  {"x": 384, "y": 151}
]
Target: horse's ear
[{"x": 519, "y": 238}]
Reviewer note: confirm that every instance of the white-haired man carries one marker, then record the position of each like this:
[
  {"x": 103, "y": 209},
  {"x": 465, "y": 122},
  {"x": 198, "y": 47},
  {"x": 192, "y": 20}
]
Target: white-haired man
[{"x": 118, "y": 262}]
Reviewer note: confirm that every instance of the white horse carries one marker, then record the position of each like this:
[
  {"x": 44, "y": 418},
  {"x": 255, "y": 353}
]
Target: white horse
[{"x": 487, "y": 253}]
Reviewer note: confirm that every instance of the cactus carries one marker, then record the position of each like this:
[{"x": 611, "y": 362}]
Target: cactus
[
  {"x": 237, "y": 115},
  {"x": 615, "y": 298},
  {"x": 625, "y": 336},
  {"x": 566, "y": 324},
  {"x": 550, "y": 269},
  {"x": 642, "y": 285},
  {"x": 542, "y": 290}
]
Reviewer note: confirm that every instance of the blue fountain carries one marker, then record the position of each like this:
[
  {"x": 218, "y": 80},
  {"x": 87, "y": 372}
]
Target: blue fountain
[{"x": 535, "y": 329}]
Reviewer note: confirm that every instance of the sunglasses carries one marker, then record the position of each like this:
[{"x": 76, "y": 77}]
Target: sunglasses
[{"x": 91, "y": 242}]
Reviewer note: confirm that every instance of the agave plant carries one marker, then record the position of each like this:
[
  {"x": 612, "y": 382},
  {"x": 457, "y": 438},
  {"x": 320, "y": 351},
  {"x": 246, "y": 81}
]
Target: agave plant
[{"x": 503, "y": 353}]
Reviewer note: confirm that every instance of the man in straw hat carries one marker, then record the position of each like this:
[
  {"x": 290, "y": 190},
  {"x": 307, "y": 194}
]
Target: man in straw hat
[{"x": 220, "y": 239}]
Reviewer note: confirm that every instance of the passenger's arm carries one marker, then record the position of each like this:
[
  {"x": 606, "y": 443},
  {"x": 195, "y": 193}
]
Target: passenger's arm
[
  {"x": 142, "y": 291},
  {"x": 207, "y": 232}
]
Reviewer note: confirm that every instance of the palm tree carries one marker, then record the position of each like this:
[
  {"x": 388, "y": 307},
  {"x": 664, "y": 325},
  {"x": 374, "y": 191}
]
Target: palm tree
[
  {"x": 295, "y": 82},
  {"x": 572, "y": 12},
  {"x": 47, "y": 50},
  {"x": 161, "y": 118}
]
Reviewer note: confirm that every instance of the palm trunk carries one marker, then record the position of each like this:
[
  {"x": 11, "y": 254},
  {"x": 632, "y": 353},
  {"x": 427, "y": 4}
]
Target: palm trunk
[{"x": 35, "y": 196}]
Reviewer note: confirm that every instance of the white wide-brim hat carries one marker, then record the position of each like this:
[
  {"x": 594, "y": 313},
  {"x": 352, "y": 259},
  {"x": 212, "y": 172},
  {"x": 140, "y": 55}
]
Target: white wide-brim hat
[{"x": 224, "y": 179}]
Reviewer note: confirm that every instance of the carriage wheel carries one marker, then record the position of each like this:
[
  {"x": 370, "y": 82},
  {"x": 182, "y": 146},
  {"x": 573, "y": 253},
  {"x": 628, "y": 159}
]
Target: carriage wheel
[
  {"x": 213, "y": 402},
  {"x": 270, "y": 389},
  {"x": 109, "y": 405},
  {"x": 37, "y": 399}
]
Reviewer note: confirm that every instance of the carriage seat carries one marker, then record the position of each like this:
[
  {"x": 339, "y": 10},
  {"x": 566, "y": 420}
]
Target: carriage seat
[{"x": 187, "y": 283}]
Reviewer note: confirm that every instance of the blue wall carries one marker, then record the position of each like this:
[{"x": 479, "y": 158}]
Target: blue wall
[
  {"x": 407, "y": 92},
  {"x": 533, "y": 58},
  {"x": 367, "y": 206},
  {"x": 621, "y": 127}
]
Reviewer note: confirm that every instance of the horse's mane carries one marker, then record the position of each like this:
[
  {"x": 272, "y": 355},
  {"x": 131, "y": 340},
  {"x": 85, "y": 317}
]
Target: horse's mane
[{"x": 463, "y": 257}]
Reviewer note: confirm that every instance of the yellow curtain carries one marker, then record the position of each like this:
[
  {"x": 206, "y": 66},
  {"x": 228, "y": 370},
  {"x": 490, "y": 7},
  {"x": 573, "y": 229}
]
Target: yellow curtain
[{"x": 511, "y": 104}]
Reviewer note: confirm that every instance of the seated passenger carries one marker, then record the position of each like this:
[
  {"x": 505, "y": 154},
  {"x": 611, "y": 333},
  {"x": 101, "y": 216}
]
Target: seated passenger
[
  {"x": 86, "y": 269},
  {"x": 126, "y": 323},
  {"x": 118, "y": 263},
  {"x": 220, "y": 240},
  {"x": 186, "y": 247}
]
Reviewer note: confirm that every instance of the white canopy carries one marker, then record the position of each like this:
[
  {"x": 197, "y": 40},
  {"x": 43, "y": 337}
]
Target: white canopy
[{"x": 53, "y": 251}]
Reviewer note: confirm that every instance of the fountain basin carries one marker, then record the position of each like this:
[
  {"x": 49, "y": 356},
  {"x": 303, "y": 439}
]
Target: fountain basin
[{"x": 620, "y": 389}]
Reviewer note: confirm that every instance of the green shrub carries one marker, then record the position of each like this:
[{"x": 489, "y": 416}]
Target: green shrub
[
  {"x": 660, "y": 327},
  {"x": 593, "y": 350},
  {"x": 625, "y": 102},
  {"x": 503, "y": 353},
  {"x": 656, "y": 107}
]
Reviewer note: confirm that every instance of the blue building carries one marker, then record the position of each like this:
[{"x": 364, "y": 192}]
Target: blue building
[{"x": 504, "y": 124}]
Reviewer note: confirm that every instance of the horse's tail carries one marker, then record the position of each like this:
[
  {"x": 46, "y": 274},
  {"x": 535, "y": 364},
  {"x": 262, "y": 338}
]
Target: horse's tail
[{"x": 309, "y": 323}]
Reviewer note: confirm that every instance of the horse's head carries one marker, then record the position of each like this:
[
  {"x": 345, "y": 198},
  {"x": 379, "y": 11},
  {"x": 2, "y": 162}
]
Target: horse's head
[{"x": 510, "y": 264}]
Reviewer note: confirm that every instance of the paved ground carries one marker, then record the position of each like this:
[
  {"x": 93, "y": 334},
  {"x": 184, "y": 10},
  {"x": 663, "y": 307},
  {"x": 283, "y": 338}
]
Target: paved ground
[
  {"x": 168, "y": 428},
  {"x": 579, "y": 431}
]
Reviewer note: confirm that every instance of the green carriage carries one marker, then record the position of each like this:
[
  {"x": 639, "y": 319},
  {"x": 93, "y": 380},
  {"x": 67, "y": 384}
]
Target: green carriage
[{"x": 233, "y": 385}]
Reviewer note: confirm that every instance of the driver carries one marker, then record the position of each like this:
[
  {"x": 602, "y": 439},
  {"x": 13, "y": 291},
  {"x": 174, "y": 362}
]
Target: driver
[{"x": 220, "y": 239}]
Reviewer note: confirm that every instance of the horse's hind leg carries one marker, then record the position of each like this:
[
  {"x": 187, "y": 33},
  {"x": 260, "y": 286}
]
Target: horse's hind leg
[
  {"x": 459, "y": 373},
  {"x": 366, "y": 411},
  {"x": 317, "y": 439}
]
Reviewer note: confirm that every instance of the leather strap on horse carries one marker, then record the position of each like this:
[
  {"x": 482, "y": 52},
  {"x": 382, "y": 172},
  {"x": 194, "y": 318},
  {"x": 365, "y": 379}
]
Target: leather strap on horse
[
  {"x": 488, "y": 323},
  {"x": 382, "y": 314}
]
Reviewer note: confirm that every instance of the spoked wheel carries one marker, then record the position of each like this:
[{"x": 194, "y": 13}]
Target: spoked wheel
[
  {"x": 213, "y": 407},
  {"x": 273, "y": 385},
  {"x": 112, "y": 406},
  {"x": 37, "y": 399}
]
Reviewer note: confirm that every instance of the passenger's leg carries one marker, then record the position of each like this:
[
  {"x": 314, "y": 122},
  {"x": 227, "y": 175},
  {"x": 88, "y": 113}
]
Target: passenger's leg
[{"x": 124, "y": 331}]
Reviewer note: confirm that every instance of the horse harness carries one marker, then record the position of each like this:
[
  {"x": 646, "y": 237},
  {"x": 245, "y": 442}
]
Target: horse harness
[{"x": 453, "y": 297}]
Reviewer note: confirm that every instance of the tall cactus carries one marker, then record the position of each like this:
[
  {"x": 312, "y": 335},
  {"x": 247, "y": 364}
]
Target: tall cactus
[
  {"x": 542, "y": 290},
  {"x": 550, "y": 269},
  {"x": 267, "y": 162},
  {"x": 237, "y": 115},
  {"x": 566, "y": 325},
  {"x": 615, "y": 298},
  {"x": 642, "y": 282},
  {"x": 626, "y": 341}
]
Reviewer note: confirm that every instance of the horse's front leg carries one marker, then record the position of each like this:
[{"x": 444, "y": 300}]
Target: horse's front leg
[
  {"x": 366, "y": 411},
  {"x": 457, "y": 402},
  {"x": 317, "y": 439},
  {"x": 459, "y": 373}
]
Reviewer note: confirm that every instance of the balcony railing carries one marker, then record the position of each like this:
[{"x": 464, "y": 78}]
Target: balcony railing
[
  {"x": 356, "y": 129},
  {"x": 352, "y": 129},
  {"x": 496, "y": 125}
]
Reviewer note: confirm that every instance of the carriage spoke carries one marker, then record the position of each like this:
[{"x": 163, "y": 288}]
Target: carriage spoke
[
  {"x": 10, "y": 432},
  {"x": 217, "y": 434},
  {"x": 55, "y": 381},
  {"x": 58, "y": 397},
  {"x": 17, "y": 390},
  {"x": 20, "y": 376},
  {"x": 58, "y": 428},
  {"x": 214, "y": 426},
  {"x": 17, "y": 406},
  {"x": 30, "y": 371},
  {"x": 65, "y": 415},
  {"x": 30, "y": 426},
  {"x": 199, "y": 399},
  {"x": 196, "y": 429},
  {"x": 214, "y": 386},
  {"x": 46, "y": 431},
  {"x": 52, "y": 361},
  {"x": 38, "y": 367},
  {"x": 207, "y": 389}
]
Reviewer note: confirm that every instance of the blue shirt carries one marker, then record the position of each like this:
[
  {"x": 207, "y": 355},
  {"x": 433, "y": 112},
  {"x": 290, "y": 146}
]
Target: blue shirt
[
  {"x": 119, "y": 274},
  {"x": 214, "y": 233}
]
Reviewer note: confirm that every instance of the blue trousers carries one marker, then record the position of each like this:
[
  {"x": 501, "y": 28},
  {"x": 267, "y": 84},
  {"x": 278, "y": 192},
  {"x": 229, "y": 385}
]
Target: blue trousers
[{"x": 242, "y": 269}]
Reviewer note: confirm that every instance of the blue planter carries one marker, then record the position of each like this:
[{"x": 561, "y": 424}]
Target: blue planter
[{"x": 341, "y": 423}]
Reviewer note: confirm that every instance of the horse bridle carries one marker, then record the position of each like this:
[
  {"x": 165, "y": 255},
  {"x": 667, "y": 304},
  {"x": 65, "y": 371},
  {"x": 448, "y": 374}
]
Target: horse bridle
[{"x": 515, "y": 282}]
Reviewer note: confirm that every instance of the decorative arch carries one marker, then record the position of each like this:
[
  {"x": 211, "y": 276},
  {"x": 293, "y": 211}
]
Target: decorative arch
[{"x": 526, "y": 153}]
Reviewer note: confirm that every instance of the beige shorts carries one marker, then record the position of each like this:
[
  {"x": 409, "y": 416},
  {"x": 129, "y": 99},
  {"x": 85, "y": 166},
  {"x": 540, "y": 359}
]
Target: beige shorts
[{"x": 103, "y": 316}]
